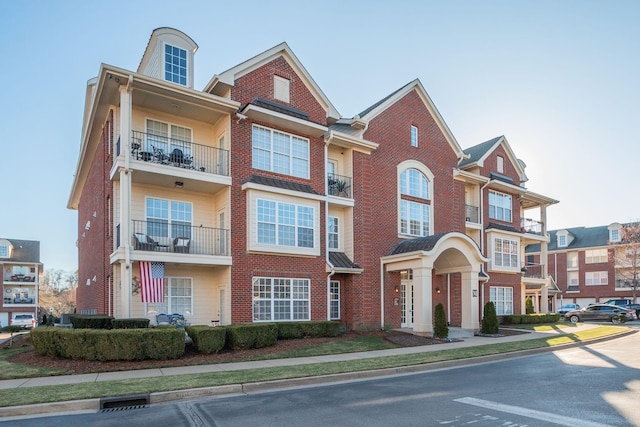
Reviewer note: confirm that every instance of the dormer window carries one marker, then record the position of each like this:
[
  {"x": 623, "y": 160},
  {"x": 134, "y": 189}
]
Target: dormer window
[
  {"x": 615, "y": 233},
  {"x": 175, "y": 64},
  {"x": 281, "y": 91},
  {"x": 4, "y": 251},
  {"x": 562, "y": 241}
]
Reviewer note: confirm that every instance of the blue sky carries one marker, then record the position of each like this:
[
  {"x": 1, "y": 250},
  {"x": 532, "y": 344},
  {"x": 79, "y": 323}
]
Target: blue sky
[{"x": 560, "y": 79}]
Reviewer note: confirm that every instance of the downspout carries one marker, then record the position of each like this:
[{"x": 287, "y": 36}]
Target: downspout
[
  {"x": 381, "y": 294},
  {"x": 482, "y": 245}
]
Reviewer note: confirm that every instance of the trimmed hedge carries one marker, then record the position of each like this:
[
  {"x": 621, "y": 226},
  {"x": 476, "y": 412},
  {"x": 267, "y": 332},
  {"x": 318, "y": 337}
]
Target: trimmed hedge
[
  {"x": 91, "y": 321},
  {"x": 530, "y": 319},
  {"x": 293, "y": 330},
  {"x": 139, "y": 323},
  {"x": 207, "y": 339},
  {"x": 251, "y": 335},
  {"x": 116, "y": 344}
]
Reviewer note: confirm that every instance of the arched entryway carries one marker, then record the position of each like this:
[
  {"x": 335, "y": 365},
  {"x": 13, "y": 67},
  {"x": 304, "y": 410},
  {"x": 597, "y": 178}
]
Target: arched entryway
[{"x": 439, "y": 255}]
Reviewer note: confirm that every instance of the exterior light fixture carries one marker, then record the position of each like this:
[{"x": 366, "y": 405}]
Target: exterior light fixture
[{"x": 179, "y": 184}]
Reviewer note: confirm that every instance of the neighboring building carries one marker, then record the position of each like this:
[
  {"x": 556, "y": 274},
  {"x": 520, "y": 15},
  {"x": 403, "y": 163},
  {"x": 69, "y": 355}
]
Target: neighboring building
[
  {"x": 584, "y": 265},
  {"x": 262, "y": 203},
  {"x": 21, "y": 271}
]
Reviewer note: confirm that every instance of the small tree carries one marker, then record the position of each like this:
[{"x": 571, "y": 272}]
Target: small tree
[
  {"x": 440, "y": 328},
  {"x": 529, "y": 305},
  {"x": 489, "y": 319},
  {"x": 627, "y": 257}
]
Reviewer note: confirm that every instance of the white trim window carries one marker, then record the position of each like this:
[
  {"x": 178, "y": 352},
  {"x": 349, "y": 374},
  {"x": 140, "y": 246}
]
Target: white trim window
[
  {"x": 499, "y": 164},
  {"x": 281, "y": 89},
  {"x": 573, "y": 281},
  {"x": 175, "y": 64},
  {"x": 4, "y": 251},
  {"x": 280, "y": 299},
  {"x": 500, "y": 206},
  {"x": 414, "y": 136},
  {"x": 562, "y": 241},
  {"x": 334, "y": 300},
  {"x": 279, "y": 152},
  {"x": 572, "y": 260},
  {"x": 614, "y": 235},
  {"x": 596, "y": 278},
  {"x": 168, "y": 218},
  {"x": 178, "y": 296},
  {"x": 595, "y": 256},
  {"x": 506, "y": 253},
  {"x": 415, "y": 216},
  {"x": 167, "y": 137},
  {"x": 333, "y": 233},
  {"x": 285, "y": 224},
  {"x": 502, "y": 298}
]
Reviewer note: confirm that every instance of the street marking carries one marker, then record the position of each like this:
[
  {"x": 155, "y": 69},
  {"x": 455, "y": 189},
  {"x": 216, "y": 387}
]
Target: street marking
[{"x": 530, "y": 413}]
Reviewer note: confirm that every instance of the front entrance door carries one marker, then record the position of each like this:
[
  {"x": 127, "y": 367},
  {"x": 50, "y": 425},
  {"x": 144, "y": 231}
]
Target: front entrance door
[{"x": 406, "y": 303}]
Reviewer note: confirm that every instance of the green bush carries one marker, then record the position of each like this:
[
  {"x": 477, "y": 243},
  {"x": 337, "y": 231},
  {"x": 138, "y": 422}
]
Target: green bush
[
  {"x": 529, "y": 305},
  {"x": 440, "y": 328},
  {"x": 315, "y": 329},
  {"x": 135, "y": 323},
  {"x": 102, "y": 344},
  {"x": 207, "y": 339},
  {"x": 251, "y": 335},
  {"x": 90, "y": 321},
  {"x": 289, "y": 330},
  {"x": 489, "y": 319},
  {"x": 530, "y": 319}
]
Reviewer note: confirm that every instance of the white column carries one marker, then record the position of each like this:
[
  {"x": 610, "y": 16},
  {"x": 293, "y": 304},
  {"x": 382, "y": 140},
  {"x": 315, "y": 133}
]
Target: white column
[
  {"x": 422, "y": 301},
  {"x": 470, "y": 303},
  {"x": 125, "y": 204},
  {"x": 544, "y": 298}
]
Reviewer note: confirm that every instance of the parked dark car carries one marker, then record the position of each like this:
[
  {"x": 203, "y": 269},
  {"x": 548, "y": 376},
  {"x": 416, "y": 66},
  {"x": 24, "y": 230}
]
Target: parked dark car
[
  {"x": 600, "y": 312},
  {"x": 565, "y": 308},
  {"x": 627, "y": 303}
]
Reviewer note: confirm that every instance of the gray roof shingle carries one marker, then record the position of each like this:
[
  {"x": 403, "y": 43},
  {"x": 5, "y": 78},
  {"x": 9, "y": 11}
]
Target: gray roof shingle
[{"x": 476, "y": 152}]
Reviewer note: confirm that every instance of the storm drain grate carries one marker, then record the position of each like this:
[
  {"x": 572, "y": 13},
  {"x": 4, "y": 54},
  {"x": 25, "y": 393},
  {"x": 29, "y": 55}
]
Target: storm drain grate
[{"x": 123, "y": 403}]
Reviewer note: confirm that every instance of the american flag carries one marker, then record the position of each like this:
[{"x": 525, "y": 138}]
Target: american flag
[{"x": 152, "y": 281}]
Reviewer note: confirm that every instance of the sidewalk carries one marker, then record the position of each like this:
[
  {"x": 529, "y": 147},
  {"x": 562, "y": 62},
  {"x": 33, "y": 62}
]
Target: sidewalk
[{"x": 220, "y": 367}]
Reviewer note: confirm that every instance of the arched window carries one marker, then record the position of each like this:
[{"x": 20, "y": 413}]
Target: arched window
[{"x": 415, "y": 188}]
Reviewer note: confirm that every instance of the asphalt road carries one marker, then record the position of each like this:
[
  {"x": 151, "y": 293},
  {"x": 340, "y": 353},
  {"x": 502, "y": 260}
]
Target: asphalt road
[{"x": 594, "y": 385}]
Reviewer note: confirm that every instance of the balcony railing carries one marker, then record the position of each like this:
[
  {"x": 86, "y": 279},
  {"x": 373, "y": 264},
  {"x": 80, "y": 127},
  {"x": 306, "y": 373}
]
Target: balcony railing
[
  {"x": 339, "y": 185},
  {"x": 531, "y": 226},
  {"x": 472, "y": 214},
  {"x": 532, "y": 271},
  {"x": 151, "y": 148},
  {"x": 161, "y": 236}
]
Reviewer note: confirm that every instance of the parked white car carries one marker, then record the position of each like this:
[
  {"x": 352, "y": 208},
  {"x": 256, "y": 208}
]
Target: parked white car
[{"x": 25, "y": 321}]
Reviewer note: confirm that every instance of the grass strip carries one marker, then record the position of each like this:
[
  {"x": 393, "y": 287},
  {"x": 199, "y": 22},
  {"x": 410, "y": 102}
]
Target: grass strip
[{"x": 45, "y": 394}]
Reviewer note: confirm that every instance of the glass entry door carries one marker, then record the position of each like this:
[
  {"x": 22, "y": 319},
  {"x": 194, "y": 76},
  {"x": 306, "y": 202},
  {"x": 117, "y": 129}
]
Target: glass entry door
[{"x": 406, "y": 303}]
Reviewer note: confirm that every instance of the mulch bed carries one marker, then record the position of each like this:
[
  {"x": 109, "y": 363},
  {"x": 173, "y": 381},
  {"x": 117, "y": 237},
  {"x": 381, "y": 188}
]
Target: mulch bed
[{"x": 192, "y": 357}]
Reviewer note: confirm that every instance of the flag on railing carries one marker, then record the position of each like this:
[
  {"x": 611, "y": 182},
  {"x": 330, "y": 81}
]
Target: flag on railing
[{"x": 151, "y": 281}]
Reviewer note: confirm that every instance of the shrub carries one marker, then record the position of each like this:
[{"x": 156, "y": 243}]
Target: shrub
[
  {"x": 136, "y": 323},
  {"x": 530, "y": 319},
  {"x": 440, "y": 328},
  {"x": 489, "y": 319},
  {"x": 86, "y": 321},
  {"x": 251, "y": 335},
  {"x": 207, "y": 339},
  {"x": 315, "y": 329},
  {"x": 116, "y": 344},
  {"x": 529, "y": 305}
]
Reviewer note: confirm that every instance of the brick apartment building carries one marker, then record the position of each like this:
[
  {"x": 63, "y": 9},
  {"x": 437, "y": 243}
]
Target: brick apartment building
[
  {"x": 21, "y": 272},
  {"x": 586, "y": 264},
  {"x": 264, "y": 204}
]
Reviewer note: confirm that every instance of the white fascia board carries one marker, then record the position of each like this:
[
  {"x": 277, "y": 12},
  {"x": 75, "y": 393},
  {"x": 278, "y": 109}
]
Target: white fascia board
[
  {"x": 344, "y": 140},
  {"x": 282, "y": 191},
  {"x": 279, "y": 119}
]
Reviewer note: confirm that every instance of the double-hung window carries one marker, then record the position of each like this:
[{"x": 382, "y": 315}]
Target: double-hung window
[
  {"x": 414, "y": 136},
  {"x": 280, "y": 152},
  {"x": 175, "y": 64},
  {"x": 502, "y": 298},
  {"x": 280, "y": 299},
  {"x": 334, "y": 300},
  {"x": 4, "y": 251},
  {"x": 167, "y": 138},
  {"x": 500, "y": 206},
  {"x": 596, "y": 278},
  {"x": 285, "y": 224},
  {"x": 333, "y": 233},
  {"x": 415, "y": 210},
  {"x": 168, "y": 218},
  {"x": 594, "y": 256},
  {"x": 506, "y": 253}
]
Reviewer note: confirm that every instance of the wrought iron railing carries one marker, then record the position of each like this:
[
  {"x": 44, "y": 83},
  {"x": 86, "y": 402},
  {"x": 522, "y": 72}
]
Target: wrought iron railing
[
  {"x": 472, "y": 214},
  {"x": 162, "y": 236},
  {"x": 532, "y": 271},
  {"x": 531, "y": 226},
  {"x": 151, "y": 148},
  {"x": 339, "y": 185}
]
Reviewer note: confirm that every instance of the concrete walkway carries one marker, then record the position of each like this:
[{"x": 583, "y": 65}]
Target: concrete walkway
[{"x": 221, "y": 367}]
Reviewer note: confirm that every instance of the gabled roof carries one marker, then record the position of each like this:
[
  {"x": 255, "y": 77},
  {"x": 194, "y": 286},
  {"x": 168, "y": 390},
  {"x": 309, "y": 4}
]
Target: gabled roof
[
  {"x": 583, "y": 237},
  {"x": 415, "y": 85},
  {"x": 220, "y": 83},
  {"x": 479, "y": 153}
]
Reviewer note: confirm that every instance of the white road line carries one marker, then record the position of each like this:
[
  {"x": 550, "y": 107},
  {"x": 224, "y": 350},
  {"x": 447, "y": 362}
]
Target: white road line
[{"x": 530, "y": 413}]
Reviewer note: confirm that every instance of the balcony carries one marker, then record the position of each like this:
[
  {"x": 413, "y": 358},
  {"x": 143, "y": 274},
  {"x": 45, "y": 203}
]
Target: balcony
[
  {"x": 472, "y": 214},
  {"x": 339, "y": 185},
  {"x": 532, "y": 271},
  {"x": 153, "y": 236},
  {"x": 21, "y": 295},
  {"x": 530, "y": 226},
  {"x": 175, "y": 153}
]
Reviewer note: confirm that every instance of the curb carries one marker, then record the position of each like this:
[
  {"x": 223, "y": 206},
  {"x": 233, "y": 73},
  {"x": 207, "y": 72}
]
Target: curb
[{"x": 93, "y": 405}]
